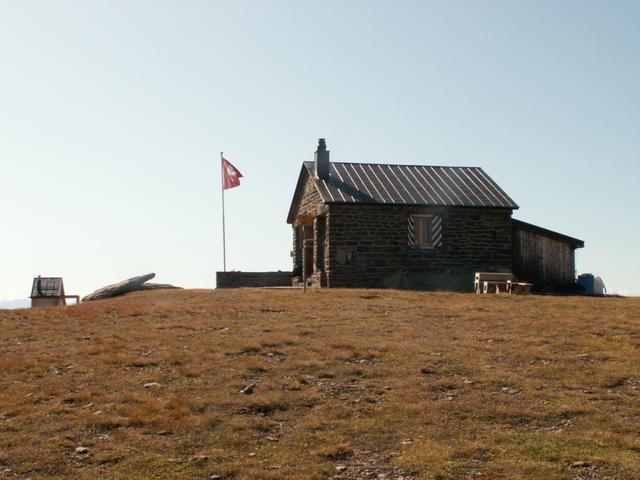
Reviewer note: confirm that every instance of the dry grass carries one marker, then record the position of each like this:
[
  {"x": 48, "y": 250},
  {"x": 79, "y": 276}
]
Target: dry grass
[{"x": 348, "y": 384}]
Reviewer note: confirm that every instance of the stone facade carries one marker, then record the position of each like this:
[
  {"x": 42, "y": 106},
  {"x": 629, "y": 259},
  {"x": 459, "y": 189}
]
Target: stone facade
[
  {"x": 358, "y": 245},
  {"x": 367, "y": 243}
]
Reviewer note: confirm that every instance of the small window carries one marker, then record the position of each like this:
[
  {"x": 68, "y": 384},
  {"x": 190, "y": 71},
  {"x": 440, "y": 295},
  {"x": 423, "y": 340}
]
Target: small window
[{"x": 424, "y": 231}]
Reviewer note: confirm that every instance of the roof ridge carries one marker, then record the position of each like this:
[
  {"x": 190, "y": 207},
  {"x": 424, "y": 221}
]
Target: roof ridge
[
  {"x": 406, "y": 165},
  {"x": 399, "y": 164}
]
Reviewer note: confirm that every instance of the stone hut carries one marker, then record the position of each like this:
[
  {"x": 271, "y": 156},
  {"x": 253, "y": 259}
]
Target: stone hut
[
  {"x": 49, "y": 292},
  {"x": 402, "y": 226}
]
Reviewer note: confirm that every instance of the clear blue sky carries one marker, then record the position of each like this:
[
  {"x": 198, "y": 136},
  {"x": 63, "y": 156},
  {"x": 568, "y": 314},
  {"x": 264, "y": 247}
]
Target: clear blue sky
[{"x": 113, "y": 114}]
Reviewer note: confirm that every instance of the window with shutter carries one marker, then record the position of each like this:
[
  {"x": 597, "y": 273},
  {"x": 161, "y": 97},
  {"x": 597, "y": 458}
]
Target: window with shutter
[{"x": 424, "y": 231}]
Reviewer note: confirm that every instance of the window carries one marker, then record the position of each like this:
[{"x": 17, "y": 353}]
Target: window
[{"x": 424, "y": 231}]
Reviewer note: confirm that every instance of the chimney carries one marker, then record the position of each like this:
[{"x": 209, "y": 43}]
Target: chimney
[{"x": 322, "y": 160}]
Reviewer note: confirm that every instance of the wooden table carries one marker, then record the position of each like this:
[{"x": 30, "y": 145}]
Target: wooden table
[{"x": 521, "y": 288}]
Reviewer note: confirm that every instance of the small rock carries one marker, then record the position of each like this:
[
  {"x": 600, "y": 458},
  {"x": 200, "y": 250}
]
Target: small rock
[
  {"x": 428, "y": 370},
  {"x": 151, "y": 385},
  {"x": 82, "y": 450},
  {"x": 252, "y": 454},
  {"x": 248, "y": 390},
  {"x": 341, "y": 468},
  {"x": 580, "y": 464},
  {"x": 61, "y": 370},
  {"x": 199, "y": 459},
  {"x": 406, "y": 442},
  {"x": 163, "y": 433},
  {"x": 272, "y": 439}
]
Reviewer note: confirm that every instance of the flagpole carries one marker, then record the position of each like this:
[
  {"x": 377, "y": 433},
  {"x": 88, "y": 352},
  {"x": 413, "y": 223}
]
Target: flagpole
[{"x": 224, "y": 246}]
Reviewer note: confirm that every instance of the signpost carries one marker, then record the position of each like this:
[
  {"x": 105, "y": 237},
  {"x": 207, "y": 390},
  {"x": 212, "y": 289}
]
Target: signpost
[{"x": 304, "y": 221}]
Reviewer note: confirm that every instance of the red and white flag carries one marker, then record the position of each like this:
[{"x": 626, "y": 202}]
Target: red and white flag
[{"x": 230, "y": 175}]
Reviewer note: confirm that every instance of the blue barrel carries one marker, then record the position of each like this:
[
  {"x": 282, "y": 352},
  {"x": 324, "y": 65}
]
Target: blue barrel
[{"x": 588, "y": 281}]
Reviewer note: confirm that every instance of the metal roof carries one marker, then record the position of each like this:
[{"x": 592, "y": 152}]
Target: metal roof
[
  {"x": 410, "y": 185},
  {"x": 520, "y": 225},
  {"x": 47, "y": 287}
]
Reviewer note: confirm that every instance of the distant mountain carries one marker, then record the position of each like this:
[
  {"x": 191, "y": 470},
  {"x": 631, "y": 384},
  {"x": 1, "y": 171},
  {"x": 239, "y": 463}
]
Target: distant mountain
[{"x": 15, "y": 303}]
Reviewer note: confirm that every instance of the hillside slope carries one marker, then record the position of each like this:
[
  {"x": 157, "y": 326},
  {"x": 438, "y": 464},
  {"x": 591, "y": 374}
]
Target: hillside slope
[{"x": 337, "y": 384}]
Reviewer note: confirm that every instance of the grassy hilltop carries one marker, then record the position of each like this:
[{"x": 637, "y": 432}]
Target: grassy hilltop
[{"x": 337, "y": 384}]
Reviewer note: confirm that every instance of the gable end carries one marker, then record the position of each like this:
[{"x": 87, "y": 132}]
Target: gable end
[{"x": 306, "y": 192}]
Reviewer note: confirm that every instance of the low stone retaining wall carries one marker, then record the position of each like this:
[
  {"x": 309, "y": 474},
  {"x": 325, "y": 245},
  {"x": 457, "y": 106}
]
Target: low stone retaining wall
[{"x": 252, "y": 279}]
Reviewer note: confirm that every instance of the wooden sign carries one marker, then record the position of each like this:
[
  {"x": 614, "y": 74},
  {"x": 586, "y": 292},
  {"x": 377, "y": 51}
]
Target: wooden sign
[{"x": 304, "y": 220}]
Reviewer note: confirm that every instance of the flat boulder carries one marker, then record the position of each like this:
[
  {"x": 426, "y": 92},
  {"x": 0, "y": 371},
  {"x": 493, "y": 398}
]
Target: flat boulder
[
  {"x": 126, "y": 286},
  {"x": 155, "y": 286}
]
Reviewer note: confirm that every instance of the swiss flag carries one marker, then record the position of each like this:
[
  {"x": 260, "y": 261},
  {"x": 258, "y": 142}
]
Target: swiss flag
[{"x": 230, "y": 174}]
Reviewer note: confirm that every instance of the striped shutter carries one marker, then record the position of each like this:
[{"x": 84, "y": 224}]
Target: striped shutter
[
  {"x": 411, "y": 231},
  {"x": 435, "y": 229}
]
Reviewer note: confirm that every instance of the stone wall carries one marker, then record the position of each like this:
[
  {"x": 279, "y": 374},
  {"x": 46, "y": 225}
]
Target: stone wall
[
  {"x": 310, "y": 198},
  {"x": 253, "y": 279},
  {"x": 369, "y": 242},
  {"x": 47, "y": 302}
]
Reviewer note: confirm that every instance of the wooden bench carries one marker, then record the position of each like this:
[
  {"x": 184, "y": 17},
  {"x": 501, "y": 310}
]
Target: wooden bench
[
  {"x": 491, "y": 282},
  {"x": 486, "y": 282}
]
